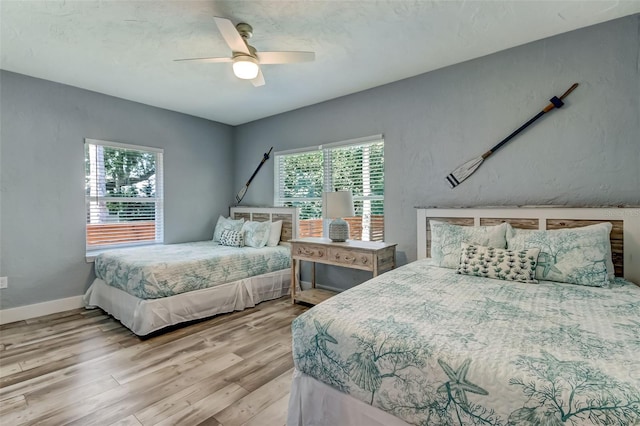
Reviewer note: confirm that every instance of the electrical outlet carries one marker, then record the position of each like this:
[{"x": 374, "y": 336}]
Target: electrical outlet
[{"x": 4, "y": 282}]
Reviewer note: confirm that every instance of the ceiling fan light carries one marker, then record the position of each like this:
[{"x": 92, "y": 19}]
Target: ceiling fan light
[{"x": 245, "y": 67}]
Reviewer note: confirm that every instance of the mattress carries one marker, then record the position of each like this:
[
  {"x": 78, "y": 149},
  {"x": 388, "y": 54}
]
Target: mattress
[
  {"x": 429, "y": 346},
  {"x": 166, "y": 270}
]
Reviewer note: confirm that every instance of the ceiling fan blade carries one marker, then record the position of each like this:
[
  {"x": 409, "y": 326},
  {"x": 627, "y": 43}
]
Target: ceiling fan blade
[
  {"x": 285, "y": 57},
  {"x": 231, "y": 35},
  {"x": 259, "y": 80},
  {"x": 204, "y": 60}
]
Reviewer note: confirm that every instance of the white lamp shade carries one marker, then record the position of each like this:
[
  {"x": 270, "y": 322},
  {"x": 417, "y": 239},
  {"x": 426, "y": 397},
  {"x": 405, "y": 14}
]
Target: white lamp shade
[
  {"x": 245, "y": 67},
  {"x": 337, "y": 204}
]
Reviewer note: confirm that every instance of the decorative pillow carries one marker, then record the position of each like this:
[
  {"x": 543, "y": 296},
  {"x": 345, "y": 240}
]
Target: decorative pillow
[
  {"x": 232, "y": 238},
  {"x": 256, "y": 234},
  {"x": 446, "y": 240},
  {"x": 573, "y": 255},
  {"x": 499, "y": 264},
  {"x": 274, "y": 233},
  {"x": 226, "y": 224}
]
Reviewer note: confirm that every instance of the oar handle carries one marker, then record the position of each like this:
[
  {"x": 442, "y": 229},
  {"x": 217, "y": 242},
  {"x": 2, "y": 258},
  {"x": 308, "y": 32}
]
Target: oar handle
[
  {"x": 557, "y": 102},
  {"x": 571, "y": 89},
  {"x": 266, "y": 156}
]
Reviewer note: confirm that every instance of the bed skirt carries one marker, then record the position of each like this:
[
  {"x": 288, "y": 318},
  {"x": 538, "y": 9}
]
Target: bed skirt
[
  {"x": 144, "y": 316},
  {"x": 313, "y": 403}
]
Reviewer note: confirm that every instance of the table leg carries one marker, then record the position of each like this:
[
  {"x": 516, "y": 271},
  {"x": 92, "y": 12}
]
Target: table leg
[
  {"x": 313, "y": 274},
  {"x": 294, "y": 280}
]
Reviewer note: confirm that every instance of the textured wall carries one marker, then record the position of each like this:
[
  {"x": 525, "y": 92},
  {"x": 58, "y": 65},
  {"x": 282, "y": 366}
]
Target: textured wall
[
  {"x": 584, "y": 154},
  {"x": 42, "y": 220}
]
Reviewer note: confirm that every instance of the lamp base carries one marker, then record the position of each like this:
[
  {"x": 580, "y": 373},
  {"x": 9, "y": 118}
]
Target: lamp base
[{"x": 339, "y": 230}]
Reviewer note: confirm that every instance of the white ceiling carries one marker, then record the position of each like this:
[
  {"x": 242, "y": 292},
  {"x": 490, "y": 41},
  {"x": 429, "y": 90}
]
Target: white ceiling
[{"x": 126, "y": 48}]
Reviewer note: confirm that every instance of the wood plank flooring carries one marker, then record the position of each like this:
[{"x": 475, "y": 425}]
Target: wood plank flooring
[{"x": 82, "y": 367}]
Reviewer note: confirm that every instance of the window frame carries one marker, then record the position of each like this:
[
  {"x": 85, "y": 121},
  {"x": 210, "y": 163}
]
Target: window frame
[
  {"x": 158, "y": 200},
  {"x": 327, "y": 175}
]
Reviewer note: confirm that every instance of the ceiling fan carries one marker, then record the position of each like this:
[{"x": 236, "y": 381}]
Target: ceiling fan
[{"x": 246, "y": 60}]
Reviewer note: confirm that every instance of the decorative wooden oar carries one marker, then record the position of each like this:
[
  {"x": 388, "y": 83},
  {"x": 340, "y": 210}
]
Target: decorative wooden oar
[
  {"x": 243, "y": 191},
  {"x": 467, "y": 169}
]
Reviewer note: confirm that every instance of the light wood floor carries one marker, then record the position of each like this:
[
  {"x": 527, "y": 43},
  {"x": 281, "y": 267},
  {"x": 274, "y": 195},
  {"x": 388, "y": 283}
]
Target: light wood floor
[{"x": 84, "y": 368}]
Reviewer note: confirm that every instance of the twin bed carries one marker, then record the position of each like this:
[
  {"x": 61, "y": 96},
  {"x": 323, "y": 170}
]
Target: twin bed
[
  {"x": 150, "y": 288},
  {"x": 425, "y": 345}
]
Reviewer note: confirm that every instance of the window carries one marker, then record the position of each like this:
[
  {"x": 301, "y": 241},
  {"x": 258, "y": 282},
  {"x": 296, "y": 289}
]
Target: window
[
  {"x": 123, "y": 185},
  {"x": 302, "y": 175}
]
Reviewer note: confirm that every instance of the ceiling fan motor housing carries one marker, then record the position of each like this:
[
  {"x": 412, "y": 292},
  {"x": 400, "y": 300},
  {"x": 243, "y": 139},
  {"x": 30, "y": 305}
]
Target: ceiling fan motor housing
[{"x": 245, "y": 30}]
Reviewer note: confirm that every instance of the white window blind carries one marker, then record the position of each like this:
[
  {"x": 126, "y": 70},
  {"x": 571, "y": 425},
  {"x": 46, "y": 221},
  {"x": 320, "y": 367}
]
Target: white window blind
[
  {"x": 302, "y": 175},
  {"x": 124, "y": 194}
]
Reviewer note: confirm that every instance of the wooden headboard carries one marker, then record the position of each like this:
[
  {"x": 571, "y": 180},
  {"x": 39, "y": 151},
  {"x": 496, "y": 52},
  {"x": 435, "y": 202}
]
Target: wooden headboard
[
  {"x": 625, "y": 234},
  {"x": 288, "y": 216}
]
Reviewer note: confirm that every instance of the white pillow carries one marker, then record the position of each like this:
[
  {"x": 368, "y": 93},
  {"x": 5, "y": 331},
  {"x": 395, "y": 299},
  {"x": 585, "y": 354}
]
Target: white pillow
[
  {"x": 274, "y": 233},
  {"x": 446, "y": 240},
  {"x": 256, "y": 234},
  {"x": 227, "y": 224}
]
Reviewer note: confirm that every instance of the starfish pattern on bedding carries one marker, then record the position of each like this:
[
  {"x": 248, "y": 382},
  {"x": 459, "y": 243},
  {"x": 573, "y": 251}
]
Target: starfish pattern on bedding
[
  {"x": 458, "y": 383},
  {"x": 323, "y": 335}
]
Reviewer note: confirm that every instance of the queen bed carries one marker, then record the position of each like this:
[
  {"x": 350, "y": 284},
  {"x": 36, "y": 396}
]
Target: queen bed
[
  {"x": 150, "y": 288},
  {"x": 438, "y": 342}
]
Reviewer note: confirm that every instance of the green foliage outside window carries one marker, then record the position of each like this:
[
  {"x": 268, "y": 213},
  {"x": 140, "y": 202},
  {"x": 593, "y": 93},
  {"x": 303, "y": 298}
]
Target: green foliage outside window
[
  {"x": 127, "y": 174},
  {"x": 303, "y": 177}
]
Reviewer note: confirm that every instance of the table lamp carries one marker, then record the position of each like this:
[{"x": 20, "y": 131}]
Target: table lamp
[{"x": 338, "y": 205}]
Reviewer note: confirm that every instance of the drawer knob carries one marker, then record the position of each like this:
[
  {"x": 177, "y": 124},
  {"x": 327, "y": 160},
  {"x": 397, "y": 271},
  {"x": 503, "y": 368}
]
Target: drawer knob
[{"x": 345, "y": 258}]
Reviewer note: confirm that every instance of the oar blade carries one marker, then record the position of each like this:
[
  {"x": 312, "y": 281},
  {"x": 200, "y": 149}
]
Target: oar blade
[
  {"x": 240, "y": 195},
  {"x": 464, "y": 171}
]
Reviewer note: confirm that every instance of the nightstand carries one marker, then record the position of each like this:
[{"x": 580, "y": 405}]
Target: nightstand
[{"x": 373, "y": 256}]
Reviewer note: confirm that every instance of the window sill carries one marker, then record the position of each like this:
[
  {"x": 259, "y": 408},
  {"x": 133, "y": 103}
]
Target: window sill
[{"x": 90, "y": 256}]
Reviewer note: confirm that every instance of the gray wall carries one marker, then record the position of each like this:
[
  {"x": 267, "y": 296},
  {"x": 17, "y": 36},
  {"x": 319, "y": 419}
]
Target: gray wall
[
  {"x": 42, "y": 219},
  {"x": 587, "y": 153}
]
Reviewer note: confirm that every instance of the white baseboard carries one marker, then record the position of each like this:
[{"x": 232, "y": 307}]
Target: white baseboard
[{"x": 39, "y": 309}]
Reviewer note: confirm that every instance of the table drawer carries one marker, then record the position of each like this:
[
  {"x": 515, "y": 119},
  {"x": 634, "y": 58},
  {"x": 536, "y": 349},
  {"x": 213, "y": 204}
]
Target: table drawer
[
  {"x": 309, "y": 251},
  {"x": 350, "y": 257}
]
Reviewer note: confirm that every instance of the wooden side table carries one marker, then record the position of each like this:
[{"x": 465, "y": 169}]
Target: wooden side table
[{"x": 371, "y": 256}]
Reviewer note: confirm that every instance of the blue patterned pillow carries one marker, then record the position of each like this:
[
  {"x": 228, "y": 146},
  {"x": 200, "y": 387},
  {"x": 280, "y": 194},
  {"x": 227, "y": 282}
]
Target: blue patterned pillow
[
  {"x": 256, "y": 234},
  {"x": 232, "y": 238},
  {"x": 225, "y": 223},
  {"x": 573, "y": 255},
  {"x": 498, "y": 263}
]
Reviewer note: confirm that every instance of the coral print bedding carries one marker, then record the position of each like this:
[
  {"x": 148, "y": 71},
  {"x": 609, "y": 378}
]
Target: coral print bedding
[
  {"x": 167, "y": 270},
  {"x": 433, "y": 347}
]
